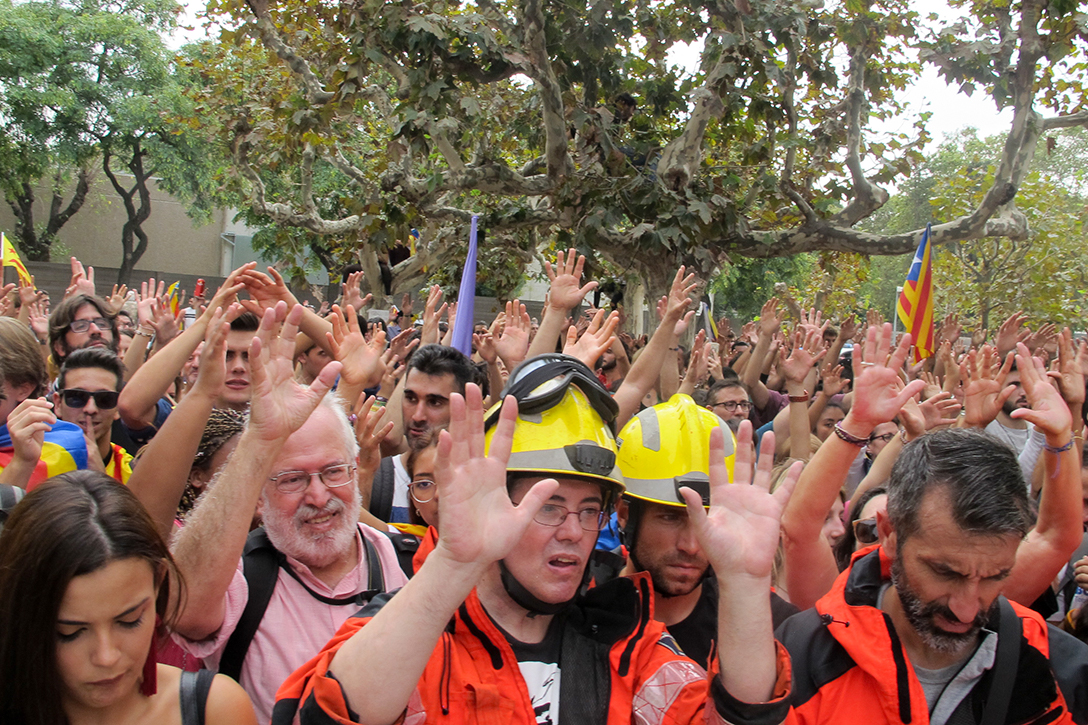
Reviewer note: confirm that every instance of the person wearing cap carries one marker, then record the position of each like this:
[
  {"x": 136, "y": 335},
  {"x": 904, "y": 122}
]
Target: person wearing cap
[
  {"x": 497, "y": 625},
  {"x": 661, "y": 449}
]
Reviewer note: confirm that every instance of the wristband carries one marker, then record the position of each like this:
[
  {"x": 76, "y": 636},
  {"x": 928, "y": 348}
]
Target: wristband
[
  {"x": 1058, "y": 449},
  {"x": 848, "y": 437},
  {"x": 802, "y": 398}
]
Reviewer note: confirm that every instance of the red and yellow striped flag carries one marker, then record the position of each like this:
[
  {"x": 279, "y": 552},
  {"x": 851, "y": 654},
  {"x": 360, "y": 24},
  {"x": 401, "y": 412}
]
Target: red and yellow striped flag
[
  {"x": 11, "y": 259},
  {"x": 915, "y": 308}
]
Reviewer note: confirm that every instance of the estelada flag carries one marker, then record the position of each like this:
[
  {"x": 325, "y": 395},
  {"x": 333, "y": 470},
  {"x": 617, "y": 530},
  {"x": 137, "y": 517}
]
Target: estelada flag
[
  {"x": 915, "y": 308},
  {"x": 11, "y": 259}
]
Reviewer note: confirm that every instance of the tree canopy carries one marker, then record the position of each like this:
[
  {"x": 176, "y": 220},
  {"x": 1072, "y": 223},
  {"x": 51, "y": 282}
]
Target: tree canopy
[{"x": 567, "y": 120}]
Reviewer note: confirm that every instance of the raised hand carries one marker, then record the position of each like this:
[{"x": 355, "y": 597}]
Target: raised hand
[
  {"x": 770, "y": 321},
  {"x": 597, "y": 338},
  {"x": 371, "y": 428},
  {"x": 984, "y": 391},
  {"x": 951, "y": 328},
  {"x": 1071, "y": 367},
  {"x": 878, "y": 390},
  {"x": 834, "y": 382},
  {"x": 280, "y": 403},
  {"x": 513, "y": 343},
  {"x": 567, "y": 290},
  {"x": 1009, "y": 333},
  {"x": 676, "y": 311},
  {"x": 350, "y": 294},
  {"x": 938, "y": 410},
  {"x": 740, "y": 531},
  {"x": 227, "y": 294},
  {"x": 1048, "y": 412},
  {"x": 808, "y": 350},
  {"x": 361, "y": 360},
  {"x": 212, "y": 367},
  {"x": 81, "y": 282},
  {"x": 848, "y": 328},
  {"x": 432, "y": 313},
  {"x": 266, "y": 289},
  {"x": 27, "y": 425},
  {"x": 115, "y": 300},
  {"x": 403, "y": 343},
  {"x": 484, "y": 342},
  {"x": 480, "y": 524}
]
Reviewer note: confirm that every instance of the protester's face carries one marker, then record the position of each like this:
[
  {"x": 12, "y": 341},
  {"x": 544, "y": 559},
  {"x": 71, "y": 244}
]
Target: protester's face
[
  {"x": 826, "y": 424},
  {"x": 879, "y": 438},
  {"x": 318, "y": 524},
  {"x": 669, "y": 551},
  {"x": 1018, "y": 399},
  {"x": 607, "y": 361},
  {"x": 877, "y": 504},
  {"x": 735, "y": 398},
  {"x": 104, "y": 630},
  {"x": 426, "y": 404},
  {"x": 948, "y": 579},
  {"x": 191, "y": 368},
  {"x": 91, "y": 417},
  {"x": 237, "y": 391},
  {"x": 93, "y": 336},
  {"x": 550, "y": 560},
  {"x": 313, "y": 361},
  {"x": 833, "y": 528},
  {"x": 424, "y": 487}
]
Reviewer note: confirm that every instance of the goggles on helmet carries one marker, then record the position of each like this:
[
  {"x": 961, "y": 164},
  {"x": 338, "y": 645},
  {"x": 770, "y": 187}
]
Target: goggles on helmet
[{"x": 539, "y": 383}]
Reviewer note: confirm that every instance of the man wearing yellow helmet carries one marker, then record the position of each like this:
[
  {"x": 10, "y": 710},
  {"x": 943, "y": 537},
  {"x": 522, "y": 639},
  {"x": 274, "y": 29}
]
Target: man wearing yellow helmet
[
  {"x": 662, "y": 449},
  {"x": 493, "y": 626}
]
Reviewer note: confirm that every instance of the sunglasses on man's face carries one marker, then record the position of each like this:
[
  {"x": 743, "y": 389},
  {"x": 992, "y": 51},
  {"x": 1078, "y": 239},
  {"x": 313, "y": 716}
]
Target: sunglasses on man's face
[
  {"x": 76, "y": 398},
  {"x": 865, "y": 531}
]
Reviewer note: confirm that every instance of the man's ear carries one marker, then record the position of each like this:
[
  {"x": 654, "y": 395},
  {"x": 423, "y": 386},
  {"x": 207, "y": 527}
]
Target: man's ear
[
  {"x": 886, "y": 533},
  {"x": 621, "y": 513}
]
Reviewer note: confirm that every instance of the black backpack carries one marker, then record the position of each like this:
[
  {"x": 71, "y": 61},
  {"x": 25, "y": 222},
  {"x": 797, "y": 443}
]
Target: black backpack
[
  {"x": 261, "y": 563},
  {"x": 381, "y": 490}
]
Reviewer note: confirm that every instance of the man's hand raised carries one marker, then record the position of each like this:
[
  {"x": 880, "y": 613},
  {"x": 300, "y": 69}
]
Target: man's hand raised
[
  {"x": 879, "y": 393},
  {"x": 280, "y": 404},
  {"x": 480, "y": 525},
  {"x": 567, "y": 290}
]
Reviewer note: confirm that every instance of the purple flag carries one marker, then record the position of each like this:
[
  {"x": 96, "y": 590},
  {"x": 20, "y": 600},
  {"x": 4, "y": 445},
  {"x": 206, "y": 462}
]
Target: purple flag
[{"x": 466, "y": 298}]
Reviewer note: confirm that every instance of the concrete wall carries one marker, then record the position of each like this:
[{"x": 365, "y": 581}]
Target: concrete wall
[{"x": 94, "y": 233}]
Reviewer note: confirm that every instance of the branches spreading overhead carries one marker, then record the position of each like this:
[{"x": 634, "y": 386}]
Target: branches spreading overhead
[{"x": 566, "y": 120}]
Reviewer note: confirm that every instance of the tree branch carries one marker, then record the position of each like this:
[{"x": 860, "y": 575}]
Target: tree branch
[
  {"x": 551, "y": 94},
  {"x": 867, "y": 196},
  {"x": 311, "y": 84}
]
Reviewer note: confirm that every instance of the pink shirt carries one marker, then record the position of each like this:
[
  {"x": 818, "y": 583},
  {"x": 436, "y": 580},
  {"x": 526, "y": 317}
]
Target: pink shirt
[{"x": 295, "y": 626}]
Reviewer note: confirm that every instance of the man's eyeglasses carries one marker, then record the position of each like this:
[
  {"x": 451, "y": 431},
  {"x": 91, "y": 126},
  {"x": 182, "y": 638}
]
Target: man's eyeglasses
[
  {"x": 297, "y": 481},
  {"x": 865, "y": 531},
  {"x": 731, "y": 406},
  {"x": 76, "y": 398},
  {"x": 590, "y": 519},
  {"x": 423, "y": 490},
  {"x": 886, "y": 437},
  {"x": 83, "y": 325}
]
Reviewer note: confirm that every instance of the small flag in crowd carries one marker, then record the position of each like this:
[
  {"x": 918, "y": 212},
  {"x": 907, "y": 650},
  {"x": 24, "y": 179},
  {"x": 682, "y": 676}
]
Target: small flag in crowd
[
  {"x": 915, "y": 308},
  {"x": 172, "y": 296},
  {"x": 11, "y": 259},
  {"x": 466, "y": 298},
  {"x": 709, "y": 325}
]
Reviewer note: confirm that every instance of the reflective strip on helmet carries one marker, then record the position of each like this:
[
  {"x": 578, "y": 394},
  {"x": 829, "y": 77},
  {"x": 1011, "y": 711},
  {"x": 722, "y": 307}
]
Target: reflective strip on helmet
[
  {"x": 558, "y": 460},
  {"x": 651, "y": 429}
]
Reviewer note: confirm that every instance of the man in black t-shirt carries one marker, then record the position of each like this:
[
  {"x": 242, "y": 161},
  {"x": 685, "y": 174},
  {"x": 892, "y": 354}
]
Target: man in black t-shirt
[{"x": 662, "y": 449}]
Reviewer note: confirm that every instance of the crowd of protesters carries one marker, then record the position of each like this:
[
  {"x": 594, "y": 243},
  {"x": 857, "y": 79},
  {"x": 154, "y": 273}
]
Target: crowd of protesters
[{"x": 247, "y": 510}]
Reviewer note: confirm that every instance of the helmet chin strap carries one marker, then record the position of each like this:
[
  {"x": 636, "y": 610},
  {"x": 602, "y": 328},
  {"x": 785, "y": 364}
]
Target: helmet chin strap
[{"x": 527, "y": 600}]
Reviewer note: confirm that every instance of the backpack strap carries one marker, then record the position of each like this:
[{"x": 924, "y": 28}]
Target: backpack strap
[
  {"x": 406, "y": 547},
  {"x": 260, "y": 565},
  {"x": 381, "y": 490},
  {"x": 194, "y": 695},
  {"x": 1009, "y": 634}
]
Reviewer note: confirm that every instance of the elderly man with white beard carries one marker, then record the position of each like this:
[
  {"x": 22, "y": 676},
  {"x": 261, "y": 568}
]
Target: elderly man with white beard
[{"x": 259, "y": 605}]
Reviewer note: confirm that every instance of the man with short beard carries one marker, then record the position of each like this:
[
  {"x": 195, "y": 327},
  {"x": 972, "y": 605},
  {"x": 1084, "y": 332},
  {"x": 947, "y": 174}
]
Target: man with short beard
[
  {"x": 664, "y": 447},
  {"x": 916, "y": 629},
  {"x": 294, "y": 465},
  {"x": 1013, "y": 432}
]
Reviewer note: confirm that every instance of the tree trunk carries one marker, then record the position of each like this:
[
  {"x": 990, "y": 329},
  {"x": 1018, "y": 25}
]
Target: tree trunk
[{"x": 137, "y": 214}]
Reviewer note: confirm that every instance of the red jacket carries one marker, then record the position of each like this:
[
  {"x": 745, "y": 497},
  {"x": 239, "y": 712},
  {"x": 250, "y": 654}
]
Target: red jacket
[
  {"x": 850, "y": 667},
  {"x": 619, "y": 666}
]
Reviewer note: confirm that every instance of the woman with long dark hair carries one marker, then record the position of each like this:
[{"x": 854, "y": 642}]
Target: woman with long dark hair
[{"x": 86, "y": 587}]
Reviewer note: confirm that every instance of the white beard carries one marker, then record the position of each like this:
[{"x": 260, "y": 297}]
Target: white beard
[{"x": 287, "y": 532}]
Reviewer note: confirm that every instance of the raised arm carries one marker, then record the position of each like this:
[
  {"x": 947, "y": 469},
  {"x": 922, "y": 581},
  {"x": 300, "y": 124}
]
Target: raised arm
[
  {"x": 740, "y": 535},
  {"x": 879, "y": 394},
  {"x": 645, "y": 370},
  {"x": 480, "y": 526},
  {"x": 566, "y": 293},
  {"x": 163, "y": 472},
  {"x": 208, "y": 548},
  {"x": 1059, "y": 529},
  {"x": 769, "y": 323}
]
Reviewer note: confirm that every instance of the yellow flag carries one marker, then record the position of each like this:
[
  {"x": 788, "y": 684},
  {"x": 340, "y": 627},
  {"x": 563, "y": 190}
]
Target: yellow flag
[{"x": 11, "y": 259}]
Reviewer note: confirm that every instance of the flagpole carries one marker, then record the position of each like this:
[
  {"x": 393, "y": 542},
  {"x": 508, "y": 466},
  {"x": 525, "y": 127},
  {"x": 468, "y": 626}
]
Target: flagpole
[{"x": 895, "y": 314}]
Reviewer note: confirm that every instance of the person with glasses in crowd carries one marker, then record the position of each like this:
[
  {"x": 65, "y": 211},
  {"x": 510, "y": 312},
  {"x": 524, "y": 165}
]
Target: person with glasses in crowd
[
  {"x": 260, "y": 605},
  {"x": 729, "y": 400},
  {"x": 499, "y": 621},
  {"x": 87, "y": 390},
  {"x": 77, "y": 322}
]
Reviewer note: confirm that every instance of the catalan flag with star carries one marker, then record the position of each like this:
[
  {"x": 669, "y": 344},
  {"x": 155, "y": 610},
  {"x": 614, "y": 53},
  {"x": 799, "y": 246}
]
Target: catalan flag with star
[
  {"x": 915, "y": 308},
  {"x": 11, "y": 259}
]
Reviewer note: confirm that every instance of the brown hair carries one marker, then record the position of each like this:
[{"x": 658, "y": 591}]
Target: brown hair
[
  {"x": 20, "y": 356},
  {"x": 62, "y": 317},
  {"x": 72, "y": 524}
]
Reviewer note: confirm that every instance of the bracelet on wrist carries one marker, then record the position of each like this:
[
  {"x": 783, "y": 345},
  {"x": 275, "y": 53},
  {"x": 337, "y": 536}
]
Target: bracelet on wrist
[
  {"x": 1058, "y": 449},
  {"x": 903, "y": 436},
  {"x": 802, "y": 398},
  {"x": 144, "y": 333},
  {"x": 848, "y": 437}
]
